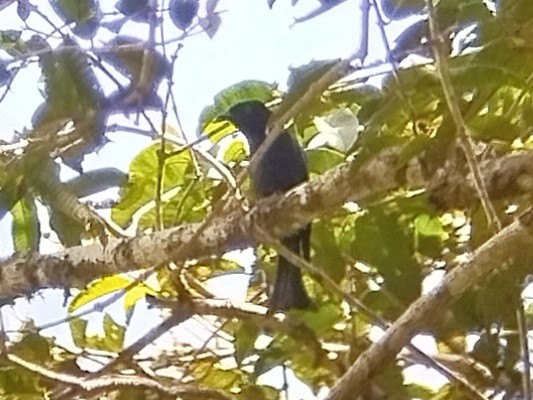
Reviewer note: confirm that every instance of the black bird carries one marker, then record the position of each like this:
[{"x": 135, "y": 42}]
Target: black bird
[{"x": 282, "y": 167}]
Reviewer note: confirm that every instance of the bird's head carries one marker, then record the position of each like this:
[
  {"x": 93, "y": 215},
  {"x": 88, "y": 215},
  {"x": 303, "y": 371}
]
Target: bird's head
[{"x": 251, "y": 118}]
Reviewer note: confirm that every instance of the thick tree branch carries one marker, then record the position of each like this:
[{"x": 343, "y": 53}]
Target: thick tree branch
[
  {"x": 495, "y": 255},
  {"x": 278, "y": 214}
]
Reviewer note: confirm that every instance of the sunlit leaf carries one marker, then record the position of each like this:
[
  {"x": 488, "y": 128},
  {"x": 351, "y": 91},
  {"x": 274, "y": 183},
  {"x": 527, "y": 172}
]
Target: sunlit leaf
[
  {"x": 140, "y": 191},
  {"x": 98, "y": 289},
  {"x": 26, "y": 228},
  {"x": 114, "y": 334}
]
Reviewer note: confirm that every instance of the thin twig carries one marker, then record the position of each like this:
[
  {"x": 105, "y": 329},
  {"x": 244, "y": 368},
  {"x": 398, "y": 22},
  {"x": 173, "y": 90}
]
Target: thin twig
[
  {"x": 395, "y": 67},
  {"x": 453, "y": 106},
  {"x": 521, "y": 323},
  {"x": 330, "y": 284}
]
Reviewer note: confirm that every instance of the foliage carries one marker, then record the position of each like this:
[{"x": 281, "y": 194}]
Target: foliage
[{"x": 380, "y": 251}]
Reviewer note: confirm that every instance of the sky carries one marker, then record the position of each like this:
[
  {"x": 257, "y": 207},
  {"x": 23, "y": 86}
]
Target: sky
[{"x": 253, "y": 42}]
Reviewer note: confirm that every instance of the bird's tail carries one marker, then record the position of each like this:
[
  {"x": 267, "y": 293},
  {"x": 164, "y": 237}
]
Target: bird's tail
[{"x": 289, "y": 290}]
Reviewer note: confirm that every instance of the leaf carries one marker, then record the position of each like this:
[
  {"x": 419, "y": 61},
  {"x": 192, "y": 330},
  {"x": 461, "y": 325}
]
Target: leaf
[
  {"x": 72, "y": 94},
  {"x": 383, "y": 243},
  {"x": 33, "y": 348},
  {"x": 210, "y": 24},
  {"x": 114, "y": 335},
  {"x": 11, "y": 42},
  {"x": 15, "y": 176},
  {"x": 137, "y": 10},
  {"x": 11, "y": 190},
  {"x": 23, "y": 9},
  {"x": 99, "y": 288},
  {"x": 494, "y": 127},
  {"x": 245, "y": 337},
  {"x": 25, "y": 229},
  {"x": 111, "y": 341},
  {"x": 68, "y": 230},
  {"x": 215, "y": 377},
  {"x": 71, "y": 86},
  {"x": 127, "y": 55},
  {"x": 327, "y": 250},
  {"x": 299, "y": 81},
  {"x": 238, "y": 93},
  {"x": 78, "y": 326},
  {"x": 140, "y": 191},
  {"x": 85, "y": 14},
  {"x": 133, "y": 295},
  {"x": 322, "y": 159},
  {"x": 429, "y": 225},
  {"x": 96, "y": 181},
  {"x": 217, "y": 130},
  {"x": 397, "y": 9},
  {"x": 235, "y": 152},
  {"x": 339, "y": 130},
  {"x": 5, "y": 74},
  {"x": 257, "y": 392},
  {"x": 322, "y": 319},
  {"x": 392, "y": 381},
  {"x": 182, "y": 12}
]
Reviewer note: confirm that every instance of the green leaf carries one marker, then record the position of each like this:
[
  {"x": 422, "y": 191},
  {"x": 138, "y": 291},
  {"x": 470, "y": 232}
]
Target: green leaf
[
  {"x": 322, "y": 159},
  {"x": 490, "y": 127},
  {"x": 322, "y": 319},
  {"x": 429, "y": 225},
  {"x": 76, "y": 10},
  {"x": 187, "y": 197},
  {"x": 299, "y": 82},
  {"x": 257, "y": 392},
  {"x": 391, "y": 380},
  {"x": 215, "y": 377},
  {"x": 114, "y": 335},
  {"x": 98, "y": 289},
  {"x": 382, "y": 242},
  {"x": 112, "y": 339},
  {"x": 397, "y": 9},
  {"x": 235, "y": 152},
  {"x": 245, "y": 337},
  {"x": 25, "y": 229},
  {"x": 78, "y": 327},
  {"x": 140, "y": 191},
  {"x": 72, "y": 89},
  {"x": 18, "y": 383},
  {"x": 84, "y": 13},
  {"x": 327, "y": 252},
  {"x": 68, "y": 230},
  {"x": 96, "y": 181},
  {"x": 72, "y": 94},
  {"x": 33, "y": 348},
  {"x": 134, "y": 294},
  {"x": 217, "y": 130},
  {"x": 128, "y": 56},
  {"x": 11, "y": 42},
  {"x": 238, "y": 93}
]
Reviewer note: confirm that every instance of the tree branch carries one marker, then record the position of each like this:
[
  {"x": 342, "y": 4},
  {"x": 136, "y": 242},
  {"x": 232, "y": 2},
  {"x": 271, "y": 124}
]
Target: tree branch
[
  {"x": 75, "y": 267},
  {"x": 492, "y": 257}
]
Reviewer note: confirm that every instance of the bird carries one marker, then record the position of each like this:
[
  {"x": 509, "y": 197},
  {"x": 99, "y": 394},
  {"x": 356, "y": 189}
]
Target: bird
[{"x": 282, "y": 167}]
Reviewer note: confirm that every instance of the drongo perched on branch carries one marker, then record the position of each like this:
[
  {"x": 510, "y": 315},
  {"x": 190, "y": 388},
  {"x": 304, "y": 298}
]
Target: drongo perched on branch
[{"x": 282, "y": 167}]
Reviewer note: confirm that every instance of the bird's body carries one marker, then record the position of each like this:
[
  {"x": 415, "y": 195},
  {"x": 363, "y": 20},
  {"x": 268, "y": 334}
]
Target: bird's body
[{"x": 282, "y": 167}]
